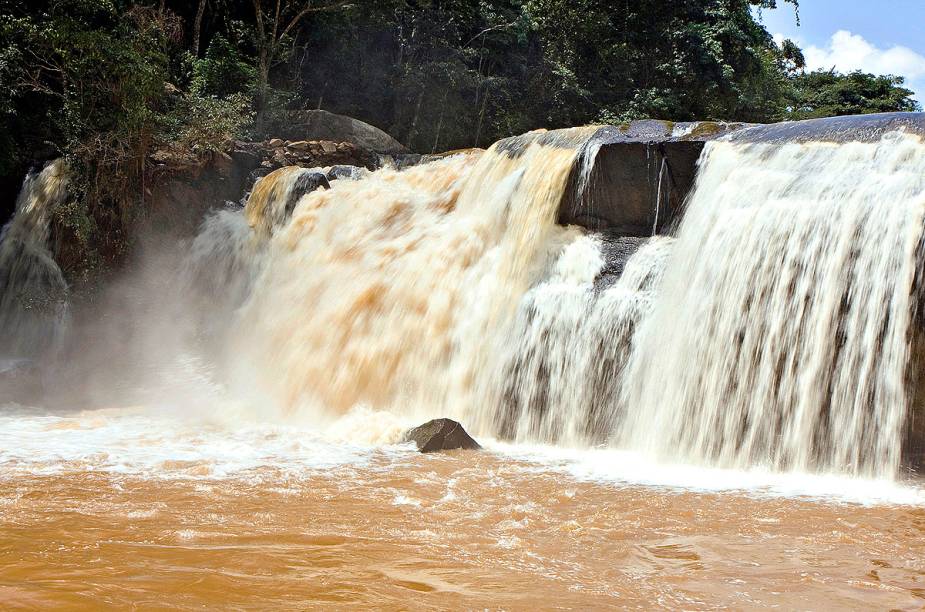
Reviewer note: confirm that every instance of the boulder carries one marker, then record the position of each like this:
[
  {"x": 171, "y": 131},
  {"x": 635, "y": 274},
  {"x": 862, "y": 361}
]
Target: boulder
[
  {"x": 440, "y": 435},
  {"x": 322, "y": 125},
  {"x": 299, "y": 145},
  {"x": 306, "y": 183}
]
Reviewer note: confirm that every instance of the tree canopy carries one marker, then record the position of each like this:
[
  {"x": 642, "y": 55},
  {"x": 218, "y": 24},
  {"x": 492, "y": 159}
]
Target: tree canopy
[{"x": 118, "y": 78}]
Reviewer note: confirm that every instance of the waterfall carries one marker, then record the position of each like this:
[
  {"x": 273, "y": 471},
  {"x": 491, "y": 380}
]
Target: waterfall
[
  {"x": 32, "y": 289},
  {"x": 772, "y": 330},
  {"x": 386, "y": 292},
  {"x": 780, "y": 336},
  {"x": 561, "y": 360}
]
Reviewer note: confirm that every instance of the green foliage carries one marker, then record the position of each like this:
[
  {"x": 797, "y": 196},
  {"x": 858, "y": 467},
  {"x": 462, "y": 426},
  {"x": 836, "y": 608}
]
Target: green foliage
[
  {"x": 196, "y": 124},
  {"x": 223, "y": 71},
  {"x": 825, "y": 93}
]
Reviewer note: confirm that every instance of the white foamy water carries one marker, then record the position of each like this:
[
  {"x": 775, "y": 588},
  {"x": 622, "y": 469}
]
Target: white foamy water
[
  {"x": 623, "y": 468},
  {"x": 133, "y": 442},
  {"x": 558, "y": 370}
]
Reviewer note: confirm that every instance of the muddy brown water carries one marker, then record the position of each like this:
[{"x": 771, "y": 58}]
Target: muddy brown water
[{"x": 462, "y": 531}]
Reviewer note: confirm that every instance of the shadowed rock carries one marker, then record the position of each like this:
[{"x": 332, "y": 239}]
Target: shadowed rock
[
  {"x": 350, "y": 173},
  {"x": 306, "y": 183},
  {"x": 632, "y": 179},
  {"x": 440, "y": 435}
]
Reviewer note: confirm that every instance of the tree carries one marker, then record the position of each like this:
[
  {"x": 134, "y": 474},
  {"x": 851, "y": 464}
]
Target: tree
[
  {"x": 197, "y": 27},
  {"x": 826, "y": 93},
  {"x": 275, "y": 23}
]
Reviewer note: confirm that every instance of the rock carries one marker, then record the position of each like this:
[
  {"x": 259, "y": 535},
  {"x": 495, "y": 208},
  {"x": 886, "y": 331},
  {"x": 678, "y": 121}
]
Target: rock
[
  {"x": 279, "y": 158},
  {"x": 223, "y": 164},
  {"x": 849, "y": 128},
  {"x": 322, "y": 125},
  {"x": 275, "y": 143},
  {"x": 440, "y": 435},
  {"x": 299, "y": 145},
  {"x": 350, "y": 173},
  {"x": 641, "y": 172},
  {"x": 328, "y": 147},
  {"x": 306, "y": 183}
]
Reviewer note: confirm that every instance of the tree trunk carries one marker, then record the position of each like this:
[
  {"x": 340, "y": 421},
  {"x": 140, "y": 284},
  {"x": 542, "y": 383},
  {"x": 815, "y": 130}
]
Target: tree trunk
[
  {"x": 197, "y": 27},
  {"x": 263, "y": 80}
]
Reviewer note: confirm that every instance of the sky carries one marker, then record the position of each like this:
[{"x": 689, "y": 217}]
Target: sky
[{"x": 878, "y": 36}]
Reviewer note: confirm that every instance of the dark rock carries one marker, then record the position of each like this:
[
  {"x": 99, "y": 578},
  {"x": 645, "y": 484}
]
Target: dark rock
[
  {"x": 350, "y": 173},
  {"x": 400, "y": 161},
  {"x": 616, "y": 251},
  {"x": 640, "y": 174},
  {"x": 306, "y": 183},
  {"x": 440, "y": 435}
]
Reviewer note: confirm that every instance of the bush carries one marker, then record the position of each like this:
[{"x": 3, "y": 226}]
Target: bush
[{"x": 223, "y": 71}]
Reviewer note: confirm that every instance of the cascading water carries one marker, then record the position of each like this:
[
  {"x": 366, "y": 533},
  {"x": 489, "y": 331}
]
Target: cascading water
[
  {"x": 559, "y": 365},
  {"x": 32, "y": 288},
  {"x": 384, "y": 292},
  {"x": 773, "y": 331},
  {"x": 781, "y": 334}
]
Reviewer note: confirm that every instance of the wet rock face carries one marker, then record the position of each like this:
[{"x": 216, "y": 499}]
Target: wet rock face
[
  {"x": 634, "y": 189},
  {"x": 640, "y": 174},
  {"x": 616, "y": 250},
  {"x": 306, "y": 183},
  {"x": 440, "y": 435}
]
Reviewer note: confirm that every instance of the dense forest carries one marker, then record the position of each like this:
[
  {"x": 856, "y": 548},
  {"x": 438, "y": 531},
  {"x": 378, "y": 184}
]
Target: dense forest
[{"x": 109, "y": 82}]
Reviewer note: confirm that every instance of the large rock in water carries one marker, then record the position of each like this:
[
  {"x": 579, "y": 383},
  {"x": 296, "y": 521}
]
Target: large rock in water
[
  {"x": 440, "y": 435},
  {"x": 322, "y": 125}
]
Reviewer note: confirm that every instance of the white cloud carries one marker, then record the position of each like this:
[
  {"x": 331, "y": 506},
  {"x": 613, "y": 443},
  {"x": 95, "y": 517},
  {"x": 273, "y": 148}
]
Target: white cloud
[{"x": 846, "y": 51}]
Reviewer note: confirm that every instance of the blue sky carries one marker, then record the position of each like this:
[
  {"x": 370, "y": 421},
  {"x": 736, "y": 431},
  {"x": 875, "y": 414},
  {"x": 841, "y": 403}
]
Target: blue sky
[{"x": 879, "y": 36}]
